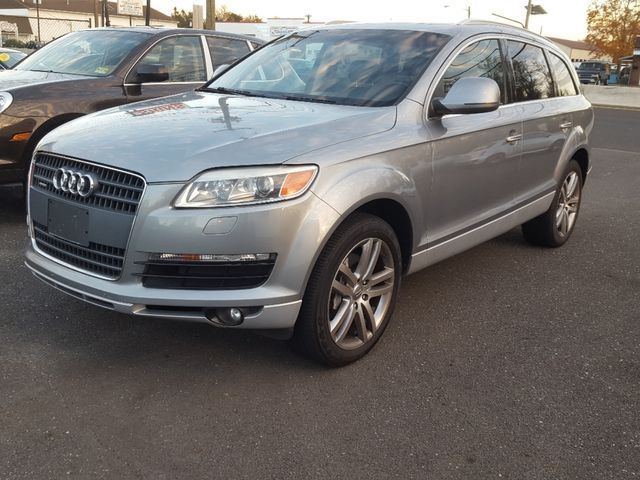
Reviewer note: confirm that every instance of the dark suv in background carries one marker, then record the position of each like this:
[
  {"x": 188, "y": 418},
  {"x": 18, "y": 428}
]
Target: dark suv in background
[
  {"x": 594, "y": 72},
  {"x": 91, "y": 70}
]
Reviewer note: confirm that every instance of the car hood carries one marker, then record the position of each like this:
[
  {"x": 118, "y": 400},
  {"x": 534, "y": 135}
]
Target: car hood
[
  {"x": 14, "y": 79},
  {"x": 174, "y": 138}
]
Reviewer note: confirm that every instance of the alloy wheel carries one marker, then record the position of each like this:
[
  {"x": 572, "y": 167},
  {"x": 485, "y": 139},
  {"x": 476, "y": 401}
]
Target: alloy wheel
[
  {"x": 568, "y": 204},
  {"x": 361, "y": 293}
]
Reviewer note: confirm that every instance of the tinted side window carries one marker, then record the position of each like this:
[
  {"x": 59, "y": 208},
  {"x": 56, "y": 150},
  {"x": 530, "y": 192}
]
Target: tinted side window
[
  {"x": 562, "y": 76},
  {"x": 182, "y": 56},
  {"x": 480, "y": 59},
  {"x": 225, "y": 51},
  {"x": 532, "y": 77}
]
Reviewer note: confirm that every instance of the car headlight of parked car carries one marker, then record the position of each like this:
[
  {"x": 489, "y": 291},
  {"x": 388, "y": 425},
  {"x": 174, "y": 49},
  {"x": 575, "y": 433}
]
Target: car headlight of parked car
[
  {"x": 5, "y": 100},
  {"x": 246, "y": 186}
]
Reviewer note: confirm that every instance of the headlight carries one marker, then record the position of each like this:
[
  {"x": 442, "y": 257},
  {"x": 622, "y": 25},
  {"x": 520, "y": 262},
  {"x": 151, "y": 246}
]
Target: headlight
[
  {"x": 5, "y": 101},
  {"x": 246, "y": 186}
]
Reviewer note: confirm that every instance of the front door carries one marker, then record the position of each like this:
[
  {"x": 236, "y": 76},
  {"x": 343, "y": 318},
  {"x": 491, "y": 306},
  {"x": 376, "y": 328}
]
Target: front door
[
  {"x": 475, "y": 156},
  {"x": 183, "y": 58}
]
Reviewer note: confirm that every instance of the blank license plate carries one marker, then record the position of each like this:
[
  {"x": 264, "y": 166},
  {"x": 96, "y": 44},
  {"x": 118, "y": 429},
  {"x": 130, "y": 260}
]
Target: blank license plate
[{"x": 68, "y": 222}]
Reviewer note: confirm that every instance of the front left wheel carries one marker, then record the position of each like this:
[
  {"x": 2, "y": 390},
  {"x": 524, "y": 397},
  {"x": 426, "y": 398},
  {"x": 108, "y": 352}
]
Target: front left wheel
[{"x": 351, "y": 292}]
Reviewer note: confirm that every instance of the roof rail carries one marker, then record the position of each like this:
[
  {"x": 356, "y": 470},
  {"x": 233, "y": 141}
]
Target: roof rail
[{"x": 474, "y": 21}]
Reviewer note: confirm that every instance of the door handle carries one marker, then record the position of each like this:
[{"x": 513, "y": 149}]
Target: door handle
[
  {"x": 565, "y": 125},
  {"x": 513, "y": 137}
]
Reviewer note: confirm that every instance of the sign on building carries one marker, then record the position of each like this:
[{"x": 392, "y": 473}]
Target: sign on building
[{"x": 130, "y": 7}]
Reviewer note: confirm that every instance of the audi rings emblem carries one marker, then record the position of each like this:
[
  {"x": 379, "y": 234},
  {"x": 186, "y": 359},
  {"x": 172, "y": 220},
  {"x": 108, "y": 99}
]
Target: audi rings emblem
[{"x": 76, "y": 183}]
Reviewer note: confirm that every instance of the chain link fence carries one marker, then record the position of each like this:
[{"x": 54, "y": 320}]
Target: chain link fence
[{"x": 32, "y": 32}]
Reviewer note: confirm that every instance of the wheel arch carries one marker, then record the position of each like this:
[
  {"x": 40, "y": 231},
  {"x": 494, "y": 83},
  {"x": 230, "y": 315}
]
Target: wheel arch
[
  {"x": 582, "y": 157},
  {"x": 46, "y": 127}
]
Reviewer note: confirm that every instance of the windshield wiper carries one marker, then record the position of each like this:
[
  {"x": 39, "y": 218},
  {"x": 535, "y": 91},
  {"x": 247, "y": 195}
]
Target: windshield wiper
[
  {"x": 305, "y": 99},
  {"x": 231, "y": 91}
]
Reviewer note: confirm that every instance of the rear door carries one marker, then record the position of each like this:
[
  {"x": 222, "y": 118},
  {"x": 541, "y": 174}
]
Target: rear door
[
  {"x": 476, "y": 156},
  {"x": 547, "y": 116},
  {"x": 184, "y": 58}
]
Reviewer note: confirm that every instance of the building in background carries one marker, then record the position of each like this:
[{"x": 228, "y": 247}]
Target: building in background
[
  {"x": 578, "y": 51},
  {"x": 58, "y": 17},
  {"x": 268, "y": 30}
]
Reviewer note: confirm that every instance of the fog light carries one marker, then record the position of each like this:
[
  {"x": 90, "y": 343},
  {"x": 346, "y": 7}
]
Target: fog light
[
  {"x": 229, "y": 317},
  {"x": 235, "y": 315}
]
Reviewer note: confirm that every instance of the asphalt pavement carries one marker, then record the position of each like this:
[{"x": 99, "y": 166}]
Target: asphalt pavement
[{"x": 506, "y": 361}]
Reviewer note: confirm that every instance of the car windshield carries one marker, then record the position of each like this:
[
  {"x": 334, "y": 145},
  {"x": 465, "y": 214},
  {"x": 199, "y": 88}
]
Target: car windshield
[
  {"x": 9, "y": 58},
  {"x": 95, "y": 53},
  {"x": 591, "y": 66},
  {"x": 342, "y": 66}
]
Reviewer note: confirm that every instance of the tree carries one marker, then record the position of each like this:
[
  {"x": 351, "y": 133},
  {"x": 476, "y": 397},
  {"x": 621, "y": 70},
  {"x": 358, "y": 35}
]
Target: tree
[
  {"x": 612, "y": 26},
  {"x": 223, "y": 14},
  {"x": 184, "y": 19}
]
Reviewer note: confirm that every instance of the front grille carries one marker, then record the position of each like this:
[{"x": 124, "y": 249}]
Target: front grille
[
  {"x": 117, "y": 191},
  {"x": 206, "y": 276},
  {"x": 99, "y": 259}
]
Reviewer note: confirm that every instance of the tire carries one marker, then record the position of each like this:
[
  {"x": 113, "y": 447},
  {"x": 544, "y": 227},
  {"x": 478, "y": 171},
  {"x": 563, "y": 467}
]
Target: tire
[
  {"x": 554, "y": 227},
  {"x": 344, "y": 312}
]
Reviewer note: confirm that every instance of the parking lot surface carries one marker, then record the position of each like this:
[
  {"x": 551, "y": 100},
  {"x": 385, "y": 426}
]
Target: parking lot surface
[{"x": 507, "y": 361}]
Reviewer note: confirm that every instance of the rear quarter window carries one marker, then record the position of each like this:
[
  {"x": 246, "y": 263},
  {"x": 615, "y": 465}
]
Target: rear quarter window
[{"x": 562, "y": 76}]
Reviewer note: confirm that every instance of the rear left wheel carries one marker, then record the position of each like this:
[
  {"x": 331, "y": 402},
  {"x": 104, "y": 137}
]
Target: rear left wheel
[{"x": 554, "y": 227}]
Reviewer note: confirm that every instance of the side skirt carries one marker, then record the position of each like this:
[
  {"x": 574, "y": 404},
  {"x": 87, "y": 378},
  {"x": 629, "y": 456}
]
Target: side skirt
[{"x": 480, "y": 234}]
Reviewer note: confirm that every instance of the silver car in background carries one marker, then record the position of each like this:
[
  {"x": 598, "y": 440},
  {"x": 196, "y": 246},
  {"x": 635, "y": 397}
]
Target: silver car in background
[{"x": 291, "y": 193}]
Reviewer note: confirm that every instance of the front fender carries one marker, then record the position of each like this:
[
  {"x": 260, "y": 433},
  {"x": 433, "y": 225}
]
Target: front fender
[{"x": 357, "y": 183}]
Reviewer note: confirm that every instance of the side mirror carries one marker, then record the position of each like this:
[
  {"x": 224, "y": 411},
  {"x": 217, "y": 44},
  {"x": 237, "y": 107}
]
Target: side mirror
[
  {"x": 151, "y": 73},
  {"x": 220, "y": 68},
  {"x": 469, "y": 95}
]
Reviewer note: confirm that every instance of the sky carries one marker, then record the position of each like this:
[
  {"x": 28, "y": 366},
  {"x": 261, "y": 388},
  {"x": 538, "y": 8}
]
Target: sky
[{"x": 564, "y": 19}]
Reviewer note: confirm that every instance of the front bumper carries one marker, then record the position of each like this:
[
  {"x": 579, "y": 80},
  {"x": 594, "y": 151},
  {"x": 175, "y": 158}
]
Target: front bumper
[{"x": 295, "y": 230}]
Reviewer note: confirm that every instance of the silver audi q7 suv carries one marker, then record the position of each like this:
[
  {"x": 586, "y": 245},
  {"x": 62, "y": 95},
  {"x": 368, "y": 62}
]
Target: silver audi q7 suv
[{"x": 292, "y": 192}]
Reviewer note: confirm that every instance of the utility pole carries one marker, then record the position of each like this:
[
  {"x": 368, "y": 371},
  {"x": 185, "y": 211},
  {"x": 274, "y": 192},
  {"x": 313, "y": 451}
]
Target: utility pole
[
  {"x": 468, "y": 11},
  {"x": 147, "y": 13},
  {"x": 211, "y": 15},
  {"x": 96, "y": 14},
  {"x": 38, "y": 16},
  {"x": 526, "y": 20}
]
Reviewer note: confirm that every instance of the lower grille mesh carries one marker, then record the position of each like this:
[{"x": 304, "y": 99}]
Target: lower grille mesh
[
  {"x": 98, "y": 259},
  {"x": 206, "y": 276}
]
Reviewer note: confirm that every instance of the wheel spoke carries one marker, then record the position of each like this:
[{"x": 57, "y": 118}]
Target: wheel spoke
[
  {"x": 342, "y": 289},
  {"x": 365, "y": 257},
  {"x": 381, "y": 276},
  {"x": 559, "y": 216},
  {"x": 564, "y": 223},
  {"x": 362, "y": 326},
  {"x": 373, "y": 259},
  {"x": 342, "y": 321},
  {"x": 572, "y": 183},
  {"x": 348, "y": 273},
  {"x": 380, "y": 290},
  {"x": 366, "y": 309}
]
